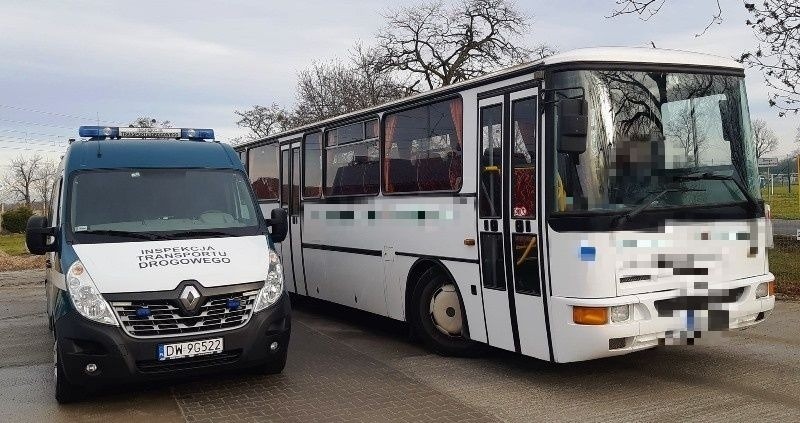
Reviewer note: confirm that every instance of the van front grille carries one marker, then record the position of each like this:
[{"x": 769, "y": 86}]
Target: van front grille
[{"x": 163, "y": 317}]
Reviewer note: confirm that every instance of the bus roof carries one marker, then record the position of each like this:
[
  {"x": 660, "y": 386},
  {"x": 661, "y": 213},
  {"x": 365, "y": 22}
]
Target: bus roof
[
  {"x": 593, "y": 55},
  {"x": 137, "y": 153}
]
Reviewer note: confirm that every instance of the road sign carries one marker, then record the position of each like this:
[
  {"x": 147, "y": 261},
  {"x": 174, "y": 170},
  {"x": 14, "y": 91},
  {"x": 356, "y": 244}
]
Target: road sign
[{"x": 767, "y": 161}]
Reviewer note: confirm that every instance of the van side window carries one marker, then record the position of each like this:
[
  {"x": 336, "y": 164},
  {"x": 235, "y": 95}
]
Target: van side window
[
  {"x": 312, "y": 165},
  {"x": 54, "y": 203},
  {"x": 352, "y": 159},
  {"x": 262, "y": 167},
  {"x": 422, "y": 148}
]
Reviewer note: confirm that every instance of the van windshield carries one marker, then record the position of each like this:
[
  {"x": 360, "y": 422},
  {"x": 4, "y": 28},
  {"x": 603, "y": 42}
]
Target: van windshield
[{"x": 135, "y": 204}]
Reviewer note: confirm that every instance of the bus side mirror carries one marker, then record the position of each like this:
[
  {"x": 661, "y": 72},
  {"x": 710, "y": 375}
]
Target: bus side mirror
[
  {"x": 573, "y": 125},
  {"x": 279, "y": 224},
  {"x": 37, "y": 233},
  {"x": 730, "y": 122}
]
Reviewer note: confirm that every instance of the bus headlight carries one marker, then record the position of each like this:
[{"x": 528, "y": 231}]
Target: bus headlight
[
  {"x": 620, "y": 313},
  {"x": 273, "y": 285},
  {"x": 85, "y": 296},
  {"x": 764, "y": 289}
]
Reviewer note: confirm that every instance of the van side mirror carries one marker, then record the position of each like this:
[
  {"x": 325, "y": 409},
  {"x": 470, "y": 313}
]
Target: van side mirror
[
  {"x": 279, "y": 224},
  {"x": 573, "y": 125},
  {"x": 37, "y": 234}
]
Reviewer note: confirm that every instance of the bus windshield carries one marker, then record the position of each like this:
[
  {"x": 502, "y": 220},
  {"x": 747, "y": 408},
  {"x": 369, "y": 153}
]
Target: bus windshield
[
  {"x": 160, "y": 204},
  {"x": 661, "y": 138}
]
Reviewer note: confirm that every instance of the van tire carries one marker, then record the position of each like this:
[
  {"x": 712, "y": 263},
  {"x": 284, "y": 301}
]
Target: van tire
[
  {"x": 276, "y": 365},
  {"x": 65, "y": 391},
  {"x": 434, "y": 282}
]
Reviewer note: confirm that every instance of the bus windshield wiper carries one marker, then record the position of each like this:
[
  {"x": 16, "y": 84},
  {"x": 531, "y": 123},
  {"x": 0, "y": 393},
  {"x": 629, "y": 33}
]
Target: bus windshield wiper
[
  {"x": 648, "y": 202},
  {"x": 128, "y": 234},
  {"x": 711, "y": 176}
]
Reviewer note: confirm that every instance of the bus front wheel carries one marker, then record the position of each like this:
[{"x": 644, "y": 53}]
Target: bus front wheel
[{"x": 438, "y": 315}]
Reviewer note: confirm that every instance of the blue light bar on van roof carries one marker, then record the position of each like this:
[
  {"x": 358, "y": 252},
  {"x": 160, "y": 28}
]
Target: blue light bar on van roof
[{"x": 102, "y": 132}]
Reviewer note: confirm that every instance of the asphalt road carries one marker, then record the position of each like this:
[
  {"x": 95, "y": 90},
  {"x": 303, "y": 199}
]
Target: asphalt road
[{"x": 344, "y": 365}]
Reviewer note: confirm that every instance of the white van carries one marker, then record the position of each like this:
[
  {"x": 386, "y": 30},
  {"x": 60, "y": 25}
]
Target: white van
[{"x": 159, "y": 262}]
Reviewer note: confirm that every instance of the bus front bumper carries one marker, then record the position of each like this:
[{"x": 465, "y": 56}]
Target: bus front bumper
[{"x": 656, "y": 318}]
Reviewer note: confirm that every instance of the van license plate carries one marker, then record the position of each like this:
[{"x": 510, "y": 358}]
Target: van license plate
[{"x": 189, "y": 348}]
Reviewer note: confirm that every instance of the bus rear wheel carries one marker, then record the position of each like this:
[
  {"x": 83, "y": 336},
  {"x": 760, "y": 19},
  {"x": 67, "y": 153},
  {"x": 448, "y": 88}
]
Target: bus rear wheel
[{"x": 438, "y": 315}]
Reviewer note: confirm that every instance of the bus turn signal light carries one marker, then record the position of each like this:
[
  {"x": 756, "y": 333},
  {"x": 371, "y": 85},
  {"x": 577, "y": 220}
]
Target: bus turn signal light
[{"x": 590, "y": 315}]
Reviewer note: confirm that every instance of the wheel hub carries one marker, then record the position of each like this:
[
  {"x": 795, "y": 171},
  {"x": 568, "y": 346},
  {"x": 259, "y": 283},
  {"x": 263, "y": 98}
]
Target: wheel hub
[{"x": 445, "y": 310}]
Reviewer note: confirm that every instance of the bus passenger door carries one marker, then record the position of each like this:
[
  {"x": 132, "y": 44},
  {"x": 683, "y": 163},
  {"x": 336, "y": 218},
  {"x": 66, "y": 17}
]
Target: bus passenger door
[
  {"x": 523, "y": 238},
  {"x": 491, "y": 212},
  {"x": 507, "y": 225},
  {"x": 295, "y": 223},
  {"x": 290, "y": 199},
  {"x": 286, "y": 195}
]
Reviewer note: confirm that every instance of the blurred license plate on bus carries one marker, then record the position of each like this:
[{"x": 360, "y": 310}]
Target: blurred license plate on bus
[{"x": 189, "y": 348}]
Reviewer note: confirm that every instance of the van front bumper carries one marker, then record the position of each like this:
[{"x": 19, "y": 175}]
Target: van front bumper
[{"x": 122, "y": 358}]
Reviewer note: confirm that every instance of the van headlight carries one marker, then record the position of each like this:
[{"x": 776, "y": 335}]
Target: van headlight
[
  {"x": 273, "y": 285},
  {"x": 85, "y": 296}
]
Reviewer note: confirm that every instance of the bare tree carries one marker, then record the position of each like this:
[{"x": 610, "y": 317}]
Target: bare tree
[
  {"x": 333, "y": 88},
  {"x": 263, "y": 121},
  {"x": 148, "y": 122},
  {"x": 646, "y": 9},
  {"x": 765, "y": 139},
  {"x": 776, "y": 24},
  {"x": 438, "y": 45},
  {"x": 46, "y": 175},
  {"x": 21, "y": 177}
]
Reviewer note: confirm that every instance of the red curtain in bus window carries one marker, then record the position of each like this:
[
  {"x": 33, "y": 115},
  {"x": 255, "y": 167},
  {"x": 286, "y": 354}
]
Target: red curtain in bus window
[
  {"x": 388, "y": 139},
  {"x": 455, "y": 171}
]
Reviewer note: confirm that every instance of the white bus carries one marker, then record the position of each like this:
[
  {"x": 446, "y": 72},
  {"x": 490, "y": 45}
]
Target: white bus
[{"x": 594, "y": 203}]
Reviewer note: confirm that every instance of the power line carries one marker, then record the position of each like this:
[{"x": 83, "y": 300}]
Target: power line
[
  {"x": 22, "y": 131},
  {"x": 25, "y": 122},
  {"x": 25, "y": 109}
]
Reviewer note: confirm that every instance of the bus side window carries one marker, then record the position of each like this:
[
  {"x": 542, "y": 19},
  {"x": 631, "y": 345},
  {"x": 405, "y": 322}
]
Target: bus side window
[
  {"x": 312, "y": 165},
  {"x": 422, "y": 148},
  {"x": 262, "y": 168},
  {"x": 491, "y": 169},
  {"x": 352, "y": 160},
  {"x": 524, "y": 158}
]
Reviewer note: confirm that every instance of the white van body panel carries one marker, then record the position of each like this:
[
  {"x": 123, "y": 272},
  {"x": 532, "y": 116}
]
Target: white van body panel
[{"x": 162, "y": 265}]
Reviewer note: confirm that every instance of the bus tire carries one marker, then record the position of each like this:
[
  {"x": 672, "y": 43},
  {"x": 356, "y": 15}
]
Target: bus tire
[{"x": 437, "y": 315}]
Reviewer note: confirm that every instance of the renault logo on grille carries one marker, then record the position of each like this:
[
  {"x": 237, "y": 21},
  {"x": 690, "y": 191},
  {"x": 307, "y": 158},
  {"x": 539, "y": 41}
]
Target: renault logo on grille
[{"x": 190, "y": 298}]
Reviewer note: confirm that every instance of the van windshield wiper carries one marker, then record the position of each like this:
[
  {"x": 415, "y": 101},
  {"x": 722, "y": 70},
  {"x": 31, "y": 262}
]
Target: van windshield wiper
[
  {"x": 711, "y": 176},
  {"x": 189, "y": 234},
  {"x": 646, "y": 203},
  {"x": 139, "y": 235}
]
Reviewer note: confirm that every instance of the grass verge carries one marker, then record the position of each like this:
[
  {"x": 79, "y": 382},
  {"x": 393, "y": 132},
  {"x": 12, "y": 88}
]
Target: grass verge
[
  {"x": 14, "y": 255},
  {"x": 784, "y": 205},
  {"x": 784, "y": 262}
]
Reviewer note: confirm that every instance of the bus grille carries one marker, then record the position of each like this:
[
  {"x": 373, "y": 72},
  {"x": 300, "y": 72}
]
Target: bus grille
[
  {"x": 166, "y": 318},
  {"x": 666, "y": 307}
]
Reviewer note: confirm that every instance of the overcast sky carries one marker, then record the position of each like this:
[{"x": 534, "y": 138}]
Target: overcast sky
[{"x": 193, "y": 62}]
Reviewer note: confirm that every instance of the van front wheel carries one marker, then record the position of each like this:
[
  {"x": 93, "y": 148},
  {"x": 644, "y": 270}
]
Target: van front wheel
[{"x": 437, "y": 315}]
